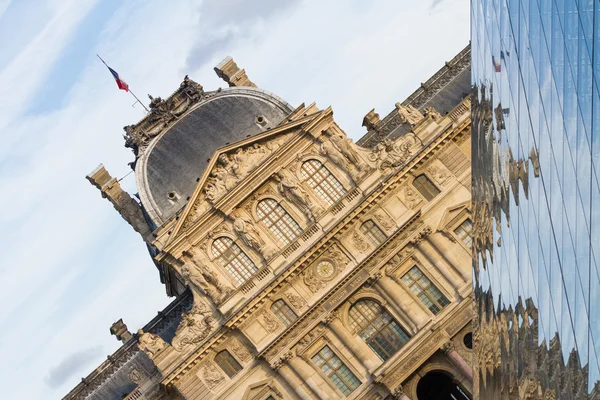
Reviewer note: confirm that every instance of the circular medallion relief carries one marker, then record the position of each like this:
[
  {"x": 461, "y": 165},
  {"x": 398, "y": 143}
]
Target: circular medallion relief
[{"x": 325, "y": 270}]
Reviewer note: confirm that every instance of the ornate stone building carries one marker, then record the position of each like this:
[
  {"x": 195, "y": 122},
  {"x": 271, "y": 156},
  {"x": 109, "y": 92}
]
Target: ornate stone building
[{"x": 304, "y": 266}]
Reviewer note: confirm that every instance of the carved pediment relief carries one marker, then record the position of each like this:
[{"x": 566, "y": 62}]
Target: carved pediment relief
[
  {"x": 225, "y": 171},
  {"x": 162, "y": 114}
]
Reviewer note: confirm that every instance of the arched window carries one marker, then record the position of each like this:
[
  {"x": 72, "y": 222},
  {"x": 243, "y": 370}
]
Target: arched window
[
  {"x": 377, "y": 328},
  {"x": 227, "y": 363},
  {"x": 425, "y": 290},
  {"x": 233, "y": 259},
  {"x": 279, "y": 222},
  {"x": 284, "y": 312},
  {"x": 426, "y": 187},
  {"x": 373, "y": 232},
  {"x": 325, "y": 185}
]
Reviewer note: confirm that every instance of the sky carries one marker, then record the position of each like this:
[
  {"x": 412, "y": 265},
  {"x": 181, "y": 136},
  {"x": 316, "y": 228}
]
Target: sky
[{"x": 70, "y": 265}]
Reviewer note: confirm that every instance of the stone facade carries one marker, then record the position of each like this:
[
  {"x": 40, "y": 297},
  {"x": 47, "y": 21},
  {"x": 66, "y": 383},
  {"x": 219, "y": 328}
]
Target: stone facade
[{"x": 314, "y": 268}]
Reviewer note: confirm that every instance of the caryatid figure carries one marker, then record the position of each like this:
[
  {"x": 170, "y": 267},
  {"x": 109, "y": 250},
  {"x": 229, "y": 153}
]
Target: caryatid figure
[
  {"x": 290, "y": 189},
  {"x": 203, "y": 279},
  {"x": 246, "y": 231}
]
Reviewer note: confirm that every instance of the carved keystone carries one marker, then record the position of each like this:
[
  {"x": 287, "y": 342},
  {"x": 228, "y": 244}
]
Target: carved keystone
[
  {"x": 232, "y": 74},
  {"x": 121, "y": 200},
  {"x": 119, "y": 329}
]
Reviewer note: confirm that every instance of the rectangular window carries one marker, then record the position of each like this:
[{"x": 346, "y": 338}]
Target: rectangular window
[
  {"x": 464, "y": 232},
  {"x": 425, "y": 290},
  {"x": 336, "y": 371}
]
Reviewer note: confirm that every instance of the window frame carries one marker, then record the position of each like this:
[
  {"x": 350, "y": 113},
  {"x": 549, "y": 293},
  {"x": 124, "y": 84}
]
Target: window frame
[
  {"x": 277, "y": 314},
  {"x": 459, "y": 225},
  {"x": 319, "y": 346},
  {"x": 433, "y": 184},
  {"x": 217, "y": 260},
  {"x": 305, "y": 177},
  {"x": 376, "y": 225},
  {"x": 223, "y": 369},
  {"x": 382, "y": 308},
  {"x": 408, "y": 267},
  {"x": 287, "y": 212}
]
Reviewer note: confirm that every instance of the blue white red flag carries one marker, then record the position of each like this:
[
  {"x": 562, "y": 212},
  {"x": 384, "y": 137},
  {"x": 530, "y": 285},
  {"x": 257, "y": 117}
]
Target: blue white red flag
[{"x": 120, "y": 82}]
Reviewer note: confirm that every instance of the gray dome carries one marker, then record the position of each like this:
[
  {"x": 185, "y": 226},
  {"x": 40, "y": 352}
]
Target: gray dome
[{"x": 176, "y": 159}]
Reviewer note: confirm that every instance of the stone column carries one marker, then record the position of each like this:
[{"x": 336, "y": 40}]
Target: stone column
[
  {"x": 458, "y": 361},
  {"x": 355, "y": 345},
  {"x": 450, "y": 258},
  {"x": 294, "y": 381},
  {"x": 307, "y": 374},
  {"x": 389, "y": 290},
  {"x": 446, "y": 269}
]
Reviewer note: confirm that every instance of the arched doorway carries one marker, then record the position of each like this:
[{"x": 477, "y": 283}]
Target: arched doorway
[{"x": 437, "y": 385}]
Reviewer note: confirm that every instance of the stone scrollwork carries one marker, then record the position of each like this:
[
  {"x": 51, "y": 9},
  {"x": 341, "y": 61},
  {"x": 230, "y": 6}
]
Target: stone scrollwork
[
  {"x": 384, "y": 220},
  {"x": 245, "y": 230},
  {"x": 289, "y": 187},
  {"x": 309, "y": 338},
  {"x": 150, "y": 343},
  {"x": 311, "y": 280},
  {"x": 212, "y": 376},
  {"x": 203, "y": 280},
  {"x": 358, "y": 241},
  {"x": 194, "y": 327},
  {"x": 439, "y": 174},
  {"x": 271, "y": 322},
  {"x": 239, "y": 350},
  {"x": 394, "y": 153},
  {"x": 295, "y": 300},
  {"x": 410, "y": 197}
]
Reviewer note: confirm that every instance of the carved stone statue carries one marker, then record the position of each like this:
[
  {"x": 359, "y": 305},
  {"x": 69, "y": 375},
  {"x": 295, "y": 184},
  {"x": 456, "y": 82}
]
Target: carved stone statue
[
  {"x": 331, "y": 151},
  {"x": 432, "y": 112},
  {"x": 203, "y": 279},
  {"x": 346, "y": 147},
  {"x": 246, "y": 231},
  {"x": 150, "y": 343},
  {"x": 290, "y": 189},
  {"x": 409, "y": 114},
  {"x": 194, "y": 327}
]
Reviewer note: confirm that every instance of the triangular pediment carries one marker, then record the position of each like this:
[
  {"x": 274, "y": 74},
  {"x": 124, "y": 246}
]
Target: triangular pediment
[
  {"x": 232, "y": 164},
  {"x": 260, "y": 389},
  {"x": 452, "y": 213}
]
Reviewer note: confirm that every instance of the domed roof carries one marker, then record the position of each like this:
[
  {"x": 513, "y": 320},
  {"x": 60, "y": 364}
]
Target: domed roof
[{"x": 168, "y": 169}]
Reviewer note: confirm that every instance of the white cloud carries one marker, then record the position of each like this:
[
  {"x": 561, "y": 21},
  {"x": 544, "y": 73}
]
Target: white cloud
[{"x": 71, "y": 266}]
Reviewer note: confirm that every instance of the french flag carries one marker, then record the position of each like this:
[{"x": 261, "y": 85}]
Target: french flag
[{"x": 120, "y": 82}]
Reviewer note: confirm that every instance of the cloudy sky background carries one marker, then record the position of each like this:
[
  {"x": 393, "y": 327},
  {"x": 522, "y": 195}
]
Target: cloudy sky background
[{"x": 70, "y": 265}]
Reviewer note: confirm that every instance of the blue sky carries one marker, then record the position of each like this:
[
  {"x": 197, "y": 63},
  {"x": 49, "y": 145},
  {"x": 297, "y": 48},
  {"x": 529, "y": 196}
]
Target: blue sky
[{"x": 71, "y": 266}]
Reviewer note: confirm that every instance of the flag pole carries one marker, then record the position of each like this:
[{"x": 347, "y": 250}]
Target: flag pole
[{"x": 133, "y": 94}]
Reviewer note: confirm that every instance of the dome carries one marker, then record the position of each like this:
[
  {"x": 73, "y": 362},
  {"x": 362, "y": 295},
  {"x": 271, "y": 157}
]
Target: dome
[{"x": 168, "y": 169}]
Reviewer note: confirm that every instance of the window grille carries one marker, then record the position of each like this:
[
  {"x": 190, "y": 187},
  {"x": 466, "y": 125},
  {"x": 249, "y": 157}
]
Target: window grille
[
  {"x": 277, "y": 220},
  {"x": 239, "y": 266},
  {"x": 322, "y": 181}
]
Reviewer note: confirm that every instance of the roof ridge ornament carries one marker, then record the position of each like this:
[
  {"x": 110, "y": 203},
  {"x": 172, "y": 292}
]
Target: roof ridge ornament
[{"x": 162, "y": 114}]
